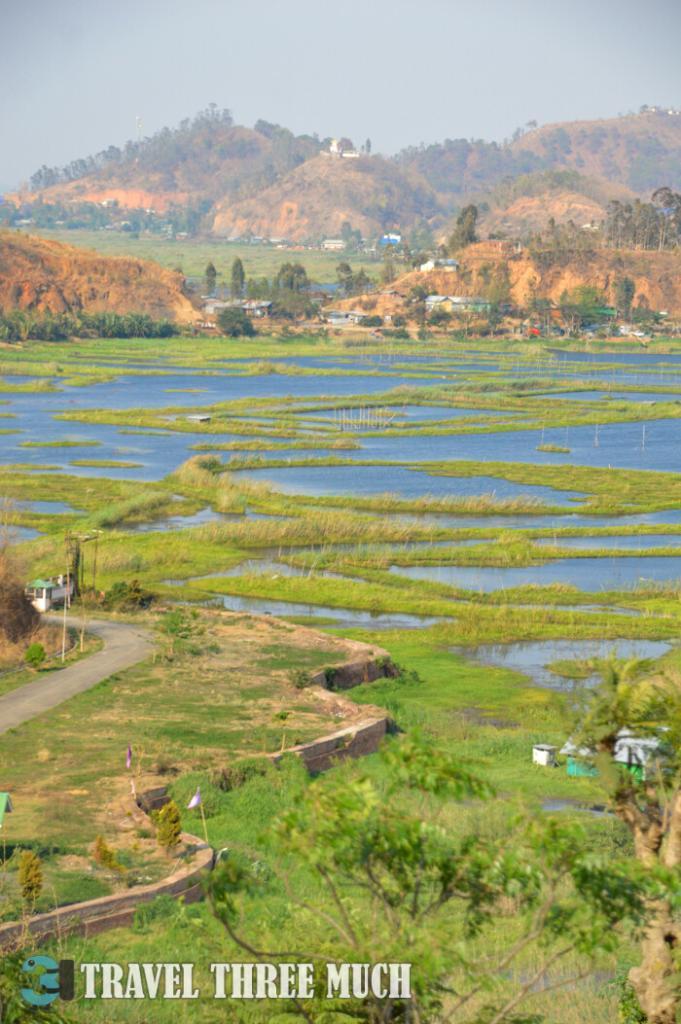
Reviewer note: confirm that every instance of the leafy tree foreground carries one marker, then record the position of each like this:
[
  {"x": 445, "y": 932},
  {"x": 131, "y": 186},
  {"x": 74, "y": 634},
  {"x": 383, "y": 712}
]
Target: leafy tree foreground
[{"x": 487, "y": 920}]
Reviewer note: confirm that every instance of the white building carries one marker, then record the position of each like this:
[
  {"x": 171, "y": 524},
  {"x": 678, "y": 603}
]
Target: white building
[
  {"x": 44, "y": 594},
  {"x": 448, "y": 266},
  {"x": 339, "y": 151},
  {"x": 344, "y": 317}
]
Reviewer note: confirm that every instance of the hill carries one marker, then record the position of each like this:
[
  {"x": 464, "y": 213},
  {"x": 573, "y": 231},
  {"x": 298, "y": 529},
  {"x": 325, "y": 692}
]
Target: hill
[
  {"x": 640, "y": 151},
  {"x": 316, "y": 199},
  {"x": 203, "y": 159},
  {"x": 49, "y": 277},
  {"x": 267, "y": 181},
  {"x": 494, "y": 270},
  {"x": 530, "y": 214},
  {"x": 525, "y": 205}
]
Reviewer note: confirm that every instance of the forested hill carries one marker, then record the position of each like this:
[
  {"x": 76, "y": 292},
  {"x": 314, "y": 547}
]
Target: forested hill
[
  {"x": 206, "y": 157},
  {"x": 639, "y": 151}
]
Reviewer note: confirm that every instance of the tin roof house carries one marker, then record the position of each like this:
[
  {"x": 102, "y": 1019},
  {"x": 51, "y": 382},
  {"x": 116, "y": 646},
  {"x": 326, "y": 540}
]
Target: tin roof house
[{"x": 637, "y": 754}]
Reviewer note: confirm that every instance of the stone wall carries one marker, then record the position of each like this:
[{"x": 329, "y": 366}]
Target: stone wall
[
  {"x": 93, "y": 916},
  {"x": 353, "y": 673},
  {"x": 354, "y": 741}
]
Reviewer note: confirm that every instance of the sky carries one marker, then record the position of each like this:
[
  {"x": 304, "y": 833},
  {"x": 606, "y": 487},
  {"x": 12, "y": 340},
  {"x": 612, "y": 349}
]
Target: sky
[{"x": 75, "y": 74}]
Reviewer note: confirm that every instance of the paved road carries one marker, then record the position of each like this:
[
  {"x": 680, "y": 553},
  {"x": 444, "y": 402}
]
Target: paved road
[{"x": 124, "y": 645}]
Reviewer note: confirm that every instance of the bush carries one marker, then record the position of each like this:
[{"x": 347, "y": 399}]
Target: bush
[
  {"x": 127, "y": 596},
  {"x": 30, "y": 877},
  {"x": 35, "y": 655},
  {"x": 181, "y": 629},
  {"x": 104, "y": 855},
  {"x": 234, "y": 323},
  {"x": 164, "y": 908},
  {"x": 238, "y": 774},
  {"x": 372, "y": 321},
  {"x": 299, "y": 677},
  {"x": 168, "y": 826}
]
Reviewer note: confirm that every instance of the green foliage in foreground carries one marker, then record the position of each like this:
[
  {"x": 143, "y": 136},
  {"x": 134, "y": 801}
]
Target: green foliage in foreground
[
  {"x": 392, "y": 878},
  {"x": 13, "y": 1008}
]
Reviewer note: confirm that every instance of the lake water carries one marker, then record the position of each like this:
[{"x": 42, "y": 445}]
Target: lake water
[
  {"x": 617, "y": 445},
  {"x": 407, "y": 483},
  {"x": 587, "y": 574},
  {"x": 533, "y": 658},
  {"x": 347, "y": 617},
  {"x": 630, "y": 446},
  {"x": 615, "y": 396},
  {"x": 665, "y": 517}
]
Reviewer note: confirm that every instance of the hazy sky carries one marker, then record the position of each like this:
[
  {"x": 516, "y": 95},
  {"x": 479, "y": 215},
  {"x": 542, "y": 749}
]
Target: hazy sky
[{"x": 75, "y": 73}]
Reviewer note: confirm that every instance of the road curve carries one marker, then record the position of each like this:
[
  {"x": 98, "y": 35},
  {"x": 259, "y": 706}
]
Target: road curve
[{"x": 124, "y": 645}]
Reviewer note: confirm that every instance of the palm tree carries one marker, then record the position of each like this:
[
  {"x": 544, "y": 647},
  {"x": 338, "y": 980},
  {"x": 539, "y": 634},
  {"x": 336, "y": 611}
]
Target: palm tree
[{"x": 645, "y": 706}]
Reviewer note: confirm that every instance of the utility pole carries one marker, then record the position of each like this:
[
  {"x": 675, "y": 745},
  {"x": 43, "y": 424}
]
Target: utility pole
[{"x": 66, "y": 602}]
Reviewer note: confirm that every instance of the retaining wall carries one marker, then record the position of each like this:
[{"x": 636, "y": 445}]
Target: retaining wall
[
  {"x": 354, "y": 673},
  {"x": 93, "y": 916},
  {"x": 354, "y": 741}
]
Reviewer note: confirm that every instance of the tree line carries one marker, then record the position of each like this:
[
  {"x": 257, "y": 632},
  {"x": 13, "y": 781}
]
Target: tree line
[
  {"x": 21, "y": 325},
  {"x": 639, "y": 225}
]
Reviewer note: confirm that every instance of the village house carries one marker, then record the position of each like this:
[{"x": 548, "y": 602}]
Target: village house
[
  {"x": 447, "y": 265},
  {"x": 333, "y": 244},
  {"x": 637, "y": 754},
  {"x": 254, "y": 307},
  {"x": 457, "y": 304},
  {"x": 45, "y": 594},
  {"x": 344, "y": 317}
]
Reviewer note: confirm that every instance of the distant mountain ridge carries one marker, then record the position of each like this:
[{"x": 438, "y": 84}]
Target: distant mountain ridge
[{"x": 267, "y": 181}]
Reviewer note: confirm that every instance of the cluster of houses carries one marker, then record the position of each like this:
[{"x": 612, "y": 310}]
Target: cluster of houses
[{"x": 638, "y": 754}]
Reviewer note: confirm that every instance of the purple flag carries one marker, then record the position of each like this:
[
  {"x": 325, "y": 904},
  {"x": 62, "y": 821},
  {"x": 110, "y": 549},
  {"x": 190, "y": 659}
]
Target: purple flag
[
  {"x": 128, "y": 757},
  {"x": 195, "y": 800}
]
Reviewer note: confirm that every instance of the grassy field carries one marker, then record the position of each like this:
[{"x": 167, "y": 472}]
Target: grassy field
[{"x": 192, "y": 255}]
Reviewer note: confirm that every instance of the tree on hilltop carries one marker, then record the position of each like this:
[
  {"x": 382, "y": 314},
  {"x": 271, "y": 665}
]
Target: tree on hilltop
[{"x": 464, "y": 231}]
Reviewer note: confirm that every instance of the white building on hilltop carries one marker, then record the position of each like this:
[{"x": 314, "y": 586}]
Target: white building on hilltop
[{"x": 340, "y": 149}]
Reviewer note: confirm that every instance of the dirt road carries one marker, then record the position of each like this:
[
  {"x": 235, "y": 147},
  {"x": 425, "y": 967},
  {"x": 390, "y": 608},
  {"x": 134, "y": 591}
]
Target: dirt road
[{"x": 124, "y": 645}]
